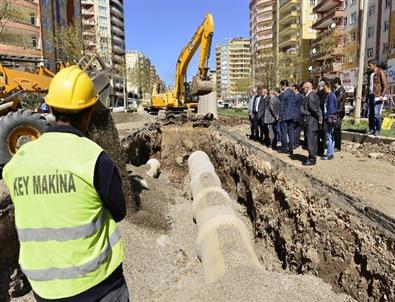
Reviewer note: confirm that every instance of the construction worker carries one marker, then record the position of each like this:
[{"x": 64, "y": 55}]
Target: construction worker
[{"x": 67, "y": 195}]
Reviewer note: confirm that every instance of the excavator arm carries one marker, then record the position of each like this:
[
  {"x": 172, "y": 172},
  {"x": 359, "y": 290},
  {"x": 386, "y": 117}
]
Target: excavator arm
[{"x": 202, "y": 38}]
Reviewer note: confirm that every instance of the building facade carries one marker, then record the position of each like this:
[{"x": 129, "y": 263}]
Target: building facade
[
  {"x": 261, "y": 30},
  {"x": 292, "y": 24},
  {"x": 27, "y": 29},
  {"x": 141, "y": 74},
  {"x": 391, "y": 51},
  {"x": 327, "y": 49},
  {"x": 103, "y": 29},
  {"x": 233, "y": 69}
]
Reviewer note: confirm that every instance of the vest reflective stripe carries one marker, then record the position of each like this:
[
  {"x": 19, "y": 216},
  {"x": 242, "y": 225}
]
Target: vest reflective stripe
[
  {"x": 61, "y": 234},
  {"x": 75, "y": 271}
]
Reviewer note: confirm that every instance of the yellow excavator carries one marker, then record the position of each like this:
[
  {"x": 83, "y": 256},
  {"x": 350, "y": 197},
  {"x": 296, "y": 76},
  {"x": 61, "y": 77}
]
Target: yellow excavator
[
  {"x": 20, "y": 125},
  {"x": 181, "y": 96}
]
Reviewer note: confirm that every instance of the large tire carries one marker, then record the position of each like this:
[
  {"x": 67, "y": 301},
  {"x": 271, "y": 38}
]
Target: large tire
[{"x": 15, "y": 123}]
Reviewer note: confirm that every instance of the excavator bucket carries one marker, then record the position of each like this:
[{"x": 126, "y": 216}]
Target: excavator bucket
[{"x": 201, "y": 87}]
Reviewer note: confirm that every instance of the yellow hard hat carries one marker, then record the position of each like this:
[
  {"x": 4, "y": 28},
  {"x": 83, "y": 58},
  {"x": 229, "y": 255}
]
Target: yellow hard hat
[{"x": 71, "y": 89}]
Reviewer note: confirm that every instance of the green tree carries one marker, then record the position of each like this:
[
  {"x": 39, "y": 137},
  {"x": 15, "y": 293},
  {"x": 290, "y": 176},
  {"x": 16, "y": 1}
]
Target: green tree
[{"x": 243, "y": 85}]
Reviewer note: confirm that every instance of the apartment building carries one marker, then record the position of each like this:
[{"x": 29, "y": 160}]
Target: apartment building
[
  {"x": 261, "y": 29},
  {"x": 292, "y": 24},
  {"x": 233, "y": 66},
  {"x": 391, "y": 50},
  {"x": 329, "y": 26},
  {"x": 28, "y": 27},
  {"x": 103, "y": 28},
  {"x": 141, "y": 74}
]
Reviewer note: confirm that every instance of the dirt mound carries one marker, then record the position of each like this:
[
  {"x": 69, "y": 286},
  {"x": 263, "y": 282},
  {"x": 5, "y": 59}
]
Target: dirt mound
[{"x": 384, "y": 152}]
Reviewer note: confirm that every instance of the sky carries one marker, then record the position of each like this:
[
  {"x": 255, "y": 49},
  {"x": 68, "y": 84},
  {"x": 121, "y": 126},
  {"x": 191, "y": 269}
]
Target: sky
[{"x": 161, "y": 28}]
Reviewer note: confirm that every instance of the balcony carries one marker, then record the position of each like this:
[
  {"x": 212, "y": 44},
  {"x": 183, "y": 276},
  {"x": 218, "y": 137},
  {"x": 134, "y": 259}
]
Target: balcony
[
  {"x": 326, "y": 5},
  {"x": 88, "y": 12},
  {"x": 10, "y": 49},
  {"x": 117, "y": 31},
  {"x": 116, "y": 12},
  {"x": 288, "y": 41},
  {"x": 117, "y": 22},
  {"x": 323, "y": 34},
  {"x": 328, "y": 18},
  {"x": 118, "y": 50},
  {"x": 118, "y": 3},
  {"x": 286, "y": 5},
  {"x": 264, "y": 9},
  {"x": 288, "y": 18},
  {"x": 287, "y": 29},
  {"x": 264, "y": 18},
  {"x": 321, "y": 55}
]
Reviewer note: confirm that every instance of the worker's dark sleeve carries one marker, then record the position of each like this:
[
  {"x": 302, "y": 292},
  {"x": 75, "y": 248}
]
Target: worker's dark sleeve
[{"x": 108, "y": 184}]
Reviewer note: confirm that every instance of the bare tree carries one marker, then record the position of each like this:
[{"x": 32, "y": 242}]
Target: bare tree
[
  {"x": 265, "y": 69},
  {"x": 328, "y": 44},
  {"x": 7, "y": 12}
]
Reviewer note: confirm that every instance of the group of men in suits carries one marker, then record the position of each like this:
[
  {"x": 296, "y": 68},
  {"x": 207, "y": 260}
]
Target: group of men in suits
[{"x": 281, "y": 115}]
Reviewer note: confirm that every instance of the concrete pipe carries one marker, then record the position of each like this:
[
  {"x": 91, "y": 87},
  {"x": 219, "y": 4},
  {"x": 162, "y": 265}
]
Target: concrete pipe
[
  {"x": 154, "y": 165},
  {"x": 223, "y": 242}
]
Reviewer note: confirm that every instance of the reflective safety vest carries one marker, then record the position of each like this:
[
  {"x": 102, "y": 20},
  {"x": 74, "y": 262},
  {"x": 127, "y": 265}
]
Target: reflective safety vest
[{"x": 68, "y": 241}]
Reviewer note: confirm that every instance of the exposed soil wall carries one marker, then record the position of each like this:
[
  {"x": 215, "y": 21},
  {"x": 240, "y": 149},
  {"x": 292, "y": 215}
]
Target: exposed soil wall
[{"x": 295, "y": 230}]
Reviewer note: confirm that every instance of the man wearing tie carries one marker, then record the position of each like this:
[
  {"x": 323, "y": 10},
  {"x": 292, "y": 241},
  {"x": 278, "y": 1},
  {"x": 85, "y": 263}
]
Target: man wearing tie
[{"x": 256, "y": 115}]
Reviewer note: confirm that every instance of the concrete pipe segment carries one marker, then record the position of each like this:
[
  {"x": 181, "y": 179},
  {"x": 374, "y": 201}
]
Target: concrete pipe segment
[
  {"x": 154, "y": 166},
  {"x": 223, "y": 242}
]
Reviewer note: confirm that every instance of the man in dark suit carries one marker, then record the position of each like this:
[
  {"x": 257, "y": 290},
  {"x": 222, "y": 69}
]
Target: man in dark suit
[
  {"x": 312, "y": 116},
  {"x": 321, "y": 139},
  {"x": 286, "y": 97},
  {"x": 341, "y": 98},
  {"x": 271, "y": 118},
  {"x": 255, "y": 114},
  {"x": 263, "y": 130}
]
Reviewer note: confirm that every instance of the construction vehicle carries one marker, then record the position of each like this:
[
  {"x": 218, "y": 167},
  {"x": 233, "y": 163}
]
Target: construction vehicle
[
  {"x": 184, "y": 96},
  {"x": 20, "y": 125}
]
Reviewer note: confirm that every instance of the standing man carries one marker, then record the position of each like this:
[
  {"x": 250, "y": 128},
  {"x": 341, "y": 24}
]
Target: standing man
[
  {"x": 255, "y": 116},
  {"x": 67, "y": 195},
  {"x": 299, "y": 119},
  {"x": 341, "y": 98},
  {"x": 377, "y": 88},
  {"x": 290, "y": 117},
  {"x": 264, "y": 132},
  {"x": 249, "y": 108},
  {"x": 271, "y": 117},
  {"x": 285, "y": 97},
  {"x": 312, "y": 117},
  {"x": 321, "y": 139}
]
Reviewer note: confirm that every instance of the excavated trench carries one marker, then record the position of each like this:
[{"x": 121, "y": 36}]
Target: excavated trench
[{"x": 297, "y": 230}]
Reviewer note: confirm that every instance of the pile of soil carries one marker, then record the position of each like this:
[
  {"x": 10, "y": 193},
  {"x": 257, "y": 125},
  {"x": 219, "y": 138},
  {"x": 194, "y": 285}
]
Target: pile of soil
[{"x": 380, "y": 151}]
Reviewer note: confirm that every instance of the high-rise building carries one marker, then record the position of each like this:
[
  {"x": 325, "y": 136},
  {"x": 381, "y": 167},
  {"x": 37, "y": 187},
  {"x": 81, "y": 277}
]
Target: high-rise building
[
  {"x": 327, "y": 48},
  {"x": 141, "y": 74},
  {"x": 233, "y": 68},
  {"x": 292, "y": 25},
  {"x": 103, "y": 26},
  {"x": 261, "y": 29},
  {"x": 28, "y": 27},
  {"x": 391, "y": 51}
]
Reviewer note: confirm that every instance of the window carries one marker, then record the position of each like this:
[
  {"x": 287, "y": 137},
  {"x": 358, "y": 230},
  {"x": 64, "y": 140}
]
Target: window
[
  {"x": 34, "y": 41},
  {"x": 353, "y": 2},
  {"x": 350, "y": 58},
  {"x": 371, "y": 10},
  {"x": 32, "y": 19},
  {"x": 313, "y": 2},
  {"x": 370, "y": 31},
  {"x": 103, "y": 28},
  {"x": 102, "y": 9},
  {"x": 345, "y": 21},
  {"x": 345, "y": 3},
  {"x": 102, "y": 19},
  {"x": 387, "y": 3},
  {"x": 385, "y": 48},
  {"x": 353, "y": 18},
  {"x": 352, "y": 37},
  {"x": 370, "y": 52},
  {"x": 386, "y": 25}
]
